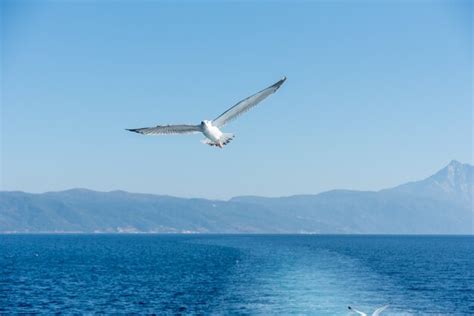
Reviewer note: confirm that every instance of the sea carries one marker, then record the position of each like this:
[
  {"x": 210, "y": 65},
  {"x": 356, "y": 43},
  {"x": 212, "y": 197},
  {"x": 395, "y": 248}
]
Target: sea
[{"x": 236, "y": 274}]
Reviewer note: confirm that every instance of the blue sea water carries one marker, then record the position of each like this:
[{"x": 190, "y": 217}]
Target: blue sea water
[{"x": 236, "y": 274}]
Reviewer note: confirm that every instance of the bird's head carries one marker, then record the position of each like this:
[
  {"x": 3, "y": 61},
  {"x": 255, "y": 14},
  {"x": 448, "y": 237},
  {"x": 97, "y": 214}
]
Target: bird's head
[{"x": 205, "y": 123}]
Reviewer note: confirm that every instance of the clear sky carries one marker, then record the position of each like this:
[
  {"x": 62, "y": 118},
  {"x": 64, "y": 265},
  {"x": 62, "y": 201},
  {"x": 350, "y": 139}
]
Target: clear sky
[{"x": 378, "y": 93}]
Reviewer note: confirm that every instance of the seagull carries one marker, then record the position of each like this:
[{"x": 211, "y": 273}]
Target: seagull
[
  {"x": 211, "y": 129},
  {"x": 375, "y": 313}
]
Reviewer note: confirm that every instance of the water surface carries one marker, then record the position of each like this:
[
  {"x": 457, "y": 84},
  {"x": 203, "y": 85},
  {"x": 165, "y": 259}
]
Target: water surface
[{"x": 236, "y": 274}]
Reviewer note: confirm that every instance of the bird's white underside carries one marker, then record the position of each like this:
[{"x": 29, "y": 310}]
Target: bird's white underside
[{"x": 212, "y": 132}]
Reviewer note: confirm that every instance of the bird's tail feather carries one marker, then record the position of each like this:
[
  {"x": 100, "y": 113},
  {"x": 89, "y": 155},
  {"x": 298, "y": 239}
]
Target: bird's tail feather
[{"x": 224, "y": 140}]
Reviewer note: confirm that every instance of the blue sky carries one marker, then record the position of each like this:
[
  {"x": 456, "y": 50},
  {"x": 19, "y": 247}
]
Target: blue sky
[{"x": 377, "y": 94}]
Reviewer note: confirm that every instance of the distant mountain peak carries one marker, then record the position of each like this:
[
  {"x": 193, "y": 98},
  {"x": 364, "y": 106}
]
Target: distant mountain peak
[
  {"x": 456, "y": 165},
  {"x": 454, "y": 172},
  {"x": 454, "y": 182},
  {"x": 454, "y": 162}
]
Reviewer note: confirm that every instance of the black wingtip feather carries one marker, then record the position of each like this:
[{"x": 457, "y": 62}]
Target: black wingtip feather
[
  {"x": 132, "y": 130},
  {"x": 279, "y": 83}
]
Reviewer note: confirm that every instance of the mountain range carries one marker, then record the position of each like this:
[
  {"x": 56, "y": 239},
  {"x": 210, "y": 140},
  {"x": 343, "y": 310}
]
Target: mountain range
[{"x": 439, "y": 204}]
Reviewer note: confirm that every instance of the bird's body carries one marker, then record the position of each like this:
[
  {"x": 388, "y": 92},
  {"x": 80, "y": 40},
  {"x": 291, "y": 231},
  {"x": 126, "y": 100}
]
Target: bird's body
[
  {"x": 211, "y": 129},
  {"x": 214, "y": 135}
]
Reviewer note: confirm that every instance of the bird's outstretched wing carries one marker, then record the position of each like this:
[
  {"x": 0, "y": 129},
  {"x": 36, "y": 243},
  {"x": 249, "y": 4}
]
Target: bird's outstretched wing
[
  {"x": 246, "y": 104},
  {"x": 379, "y": 310},
  {"x": 167, "y": 129},
  {"x": 357, "y": 311}
]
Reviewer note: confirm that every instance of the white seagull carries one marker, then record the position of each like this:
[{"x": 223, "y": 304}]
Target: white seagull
[
  {"x": 211, "y": 129},
  {"x": 375, "y": 313}
]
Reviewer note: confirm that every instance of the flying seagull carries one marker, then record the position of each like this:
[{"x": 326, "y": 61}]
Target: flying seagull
[
  {"x": 211, "y": 129},
  {"x": 375, "y": 313}
]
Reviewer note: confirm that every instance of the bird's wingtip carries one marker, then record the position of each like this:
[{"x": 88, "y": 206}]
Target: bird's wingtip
[{"x": 279, "y": 83}]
